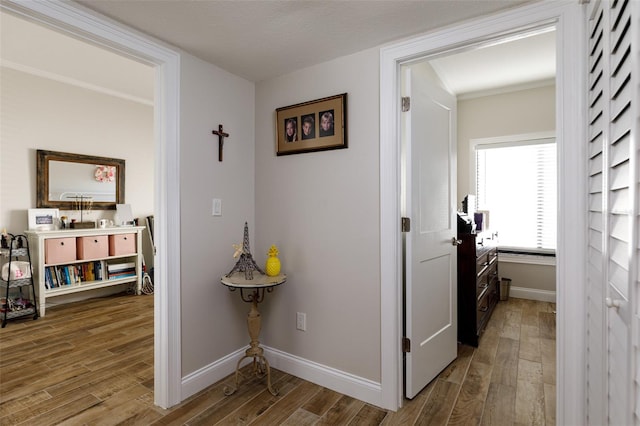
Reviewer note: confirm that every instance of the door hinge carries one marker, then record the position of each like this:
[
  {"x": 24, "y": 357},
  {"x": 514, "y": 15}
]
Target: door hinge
[
  {"x": 406, "y": 345},
  {"x": 405, "y": 224},
  {"x": 406, "y": 103}
]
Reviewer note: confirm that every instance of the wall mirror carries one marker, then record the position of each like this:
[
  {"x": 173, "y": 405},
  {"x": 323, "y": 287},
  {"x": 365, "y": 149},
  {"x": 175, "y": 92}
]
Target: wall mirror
[{"x": 67, "y": 181}]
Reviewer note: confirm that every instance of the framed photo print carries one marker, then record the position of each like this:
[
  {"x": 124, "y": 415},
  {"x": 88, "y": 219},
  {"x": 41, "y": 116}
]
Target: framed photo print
[
  {"x": 317, "y": 125},
  {"x": 43, "y": 219}
]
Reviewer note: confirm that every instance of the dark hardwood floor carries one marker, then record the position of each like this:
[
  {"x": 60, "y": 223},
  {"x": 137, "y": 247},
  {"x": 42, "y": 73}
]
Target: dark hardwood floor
[{"x": 91, "y": 363}]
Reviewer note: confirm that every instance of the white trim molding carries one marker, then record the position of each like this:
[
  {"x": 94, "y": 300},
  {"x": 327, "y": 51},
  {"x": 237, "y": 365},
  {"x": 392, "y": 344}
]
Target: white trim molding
[
  {"x": 527, "y": 259},
  {"x": 203, "y": 377},
  {"x": 357, "y": 387},
  {"x": 568, "y": 19},
  {"x": 532, "y": 294},
  {"x": 349, "y": 384},
  {"x": 73, "y": 82},
  {"x": 86, "y": 25}
]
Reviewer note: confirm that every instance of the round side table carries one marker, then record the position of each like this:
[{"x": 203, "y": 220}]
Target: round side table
[{"x": 253, "y": 291}]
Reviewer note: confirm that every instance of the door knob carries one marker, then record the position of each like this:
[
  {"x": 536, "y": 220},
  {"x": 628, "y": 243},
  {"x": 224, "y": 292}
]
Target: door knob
[
  {"x": 455, "y": 241},
  {"x": 612, "y": 303}
]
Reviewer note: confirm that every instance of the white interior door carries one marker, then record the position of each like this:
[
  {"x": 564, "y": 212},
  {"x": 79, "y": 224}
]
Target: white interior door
[{"x": 428, "y": 199}]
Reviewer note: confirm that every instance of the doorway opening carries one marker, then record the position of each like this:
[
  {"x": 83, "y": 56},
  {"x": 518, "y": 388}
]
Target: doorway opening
[
  {"x": 67, "y": 18},
  {"x": 504, "y": 87},
  {"x": 570, "y": 130},
  {"x": 86, "y": 100}
]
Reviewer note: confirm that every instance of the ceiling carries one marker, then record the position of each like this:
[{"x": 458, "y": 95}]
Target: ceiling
[
  {"x": 523, "y": 61},
  {"x": 39, "y": 51},
  {"x": 259, "y": 40}
]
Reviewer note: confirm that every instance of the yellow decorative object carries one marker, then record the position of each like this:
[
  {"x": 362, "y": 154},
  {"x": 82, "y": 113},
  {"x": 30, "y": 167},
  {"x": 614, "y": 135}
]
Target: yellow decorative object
[
  {"x": 273, "y": 263},
  {"x": 238, "y": 250}
]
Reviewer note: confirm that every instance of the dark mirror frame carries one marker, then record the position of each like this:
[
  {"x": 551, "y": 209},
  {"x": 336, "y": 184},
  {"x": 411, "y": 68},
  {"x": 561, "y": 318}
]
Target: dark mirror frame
[{"x": 42, "y": 163}]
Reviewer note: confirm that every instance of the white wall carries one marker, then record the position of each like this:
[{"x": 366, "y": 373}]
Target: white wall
[
  {"x": 213, "y": 318},
  {"x": 322, "y": 211},
  {"x": 512, "y": 113},
  {"x": 38, "y": 113},
  {"x": 537, "y": 282}
]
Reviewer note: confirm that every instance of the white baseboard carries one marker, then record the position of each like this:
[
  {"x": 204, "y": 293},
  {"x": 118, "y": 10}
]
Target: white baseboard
[
  {"x": 339, "y": 381},
  {"x": 209, "y": 374},
  {"x": 533, "y": 294},
  {"x": 346, "y": 383}
]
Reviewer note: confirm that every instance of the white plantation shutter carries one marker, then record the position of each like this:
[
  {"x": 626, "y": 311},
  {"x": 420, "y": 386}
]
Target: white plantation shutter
[
  {"x": 634, "y": 138},
  {"x": 595, "y": 357},
  {"x": 517, "y": 183},
  {"x": 614, "y": 224}
]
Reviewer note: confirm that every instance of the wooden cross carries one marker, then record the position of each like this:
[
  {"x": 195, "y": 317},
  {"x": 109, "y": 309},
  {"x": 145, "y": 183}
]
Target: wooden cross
[{"x": 221, "y": 135}]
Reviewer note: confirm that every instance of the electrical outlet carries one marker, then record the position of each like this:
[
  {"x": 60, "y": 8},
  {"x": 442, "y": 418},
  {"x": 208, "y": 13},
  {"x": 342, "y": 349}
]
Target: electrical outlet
[
  {"x": 217, "y": 207},
  {"x": 301, "y": 321}
]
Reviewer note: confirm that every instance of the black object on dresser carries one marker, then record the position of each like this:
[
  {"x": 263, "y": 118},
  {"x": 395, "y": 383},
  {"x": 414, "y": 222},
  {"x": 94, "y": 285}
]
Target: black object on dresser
[{"x": 478, "y": 284}]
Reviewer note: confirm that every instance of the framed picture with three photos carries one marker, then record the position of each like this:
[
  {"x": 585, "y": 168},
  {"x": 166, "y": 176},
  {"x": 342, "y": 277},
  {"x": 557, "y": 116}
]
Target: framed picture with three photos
[{"x": 311, "y": 126}]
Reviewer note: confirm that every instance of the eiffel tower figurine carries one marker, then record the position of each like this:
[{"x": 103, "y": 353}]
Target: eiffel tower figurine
[{"x": 246, "y": 263}]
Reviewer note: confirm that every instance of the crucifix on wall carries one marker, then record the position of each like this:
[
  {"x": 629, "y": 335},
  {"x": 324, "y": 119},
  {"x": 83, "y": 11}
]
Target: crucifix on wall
[{"x": 221, "y": 135}]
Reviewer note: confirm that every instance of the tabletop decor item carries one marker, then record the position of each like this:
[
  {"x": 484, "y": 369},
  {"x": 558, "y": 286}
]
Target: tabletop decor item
[
  {"x": 43, "y": 219},
  {"x": 246, "y": 263},
  {"x": 84, "y": 204},
  {"x": 273, "y": 263}
]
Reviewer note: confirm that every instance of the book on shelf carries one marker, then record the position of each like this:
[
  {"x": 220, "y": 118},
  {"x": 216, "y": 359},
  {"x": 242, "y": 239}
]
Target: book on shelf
[
  {"x": 58, "y": 276},
  {"x": 122, "y": 275},
  {"x": 48, "y": 282},
  {"x": 121, "y": 270},
  {"x": 116, "y": 267},
  {"x": 71, "y": 272},
  {"x": 61, "y": 275},
  {"x": 98, "y": 270},
  {"x": 86, "y": 271}
]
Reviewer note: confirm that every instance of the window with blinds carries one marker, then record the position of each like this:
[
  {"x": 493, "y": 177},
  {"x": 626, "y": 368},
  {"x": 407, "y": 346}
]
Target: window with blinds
[{"x": 516, "y": 183}]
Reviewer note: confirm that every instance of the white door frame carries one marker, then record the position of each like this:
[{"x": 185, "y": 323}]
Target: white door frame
[
  {"x": 88, "y": 26},
  {"x": 569, "y": 20}
]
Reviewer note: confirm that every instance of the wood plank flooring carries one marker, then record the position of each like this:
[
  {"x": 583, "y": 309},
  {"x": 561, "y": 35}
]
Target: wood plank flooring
[{"x": 91, "y": 363}]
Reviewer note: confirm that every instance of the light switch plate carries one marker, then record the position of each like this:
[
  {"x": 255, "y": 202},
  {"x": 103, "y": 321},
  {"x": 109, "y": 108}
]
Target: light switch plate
[
  {"x": 217, "y": 207},
  {"x": 301, "y": 321}
]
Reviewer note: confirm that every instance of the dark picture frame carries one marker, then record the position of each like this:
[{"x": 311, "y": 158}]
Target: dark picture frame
[
  {"x": 46, "y": 183},
  {"x": 320, "y": 125}
]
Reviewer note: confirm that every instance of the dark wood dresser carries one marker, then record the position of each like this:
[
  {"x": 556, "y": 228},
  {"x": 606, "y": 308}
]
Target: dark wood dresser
[{"x": 478, "y": 284}]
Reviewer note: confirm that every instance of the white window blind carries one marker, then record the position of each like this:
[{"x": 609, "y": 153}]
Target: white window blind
[{"x": 516, "y": 183}]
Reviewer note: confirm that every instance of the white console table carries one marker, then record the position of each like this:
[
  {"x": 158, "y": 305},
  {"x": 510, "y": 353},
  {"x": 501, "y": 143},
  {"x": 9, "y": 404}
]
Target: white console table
[{"x": 88, "y": 258}]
